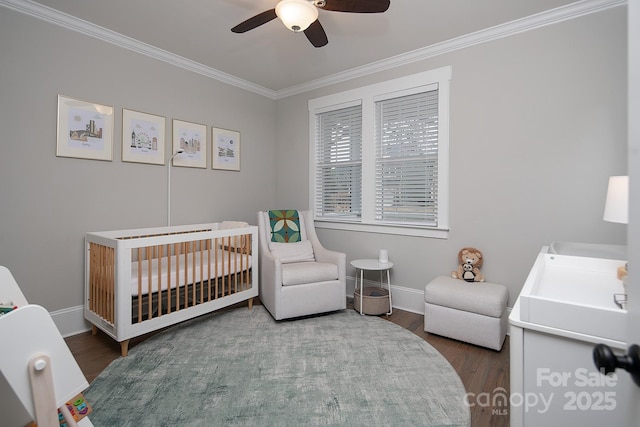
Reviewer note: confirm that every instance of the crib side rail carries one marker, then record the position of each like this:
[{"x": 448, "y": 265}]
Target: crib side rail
[
  {"x": 129, "y": 291},
  {"x": 100, "y": 280},
  {"x": 170, "y": 277}
]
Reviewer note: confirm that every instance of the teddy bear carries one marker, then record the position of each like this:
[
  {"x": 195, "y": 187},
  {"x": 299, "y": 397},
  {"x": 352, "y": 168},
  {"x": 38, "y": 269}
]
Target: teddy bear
[{"x": 470, "y": 260}]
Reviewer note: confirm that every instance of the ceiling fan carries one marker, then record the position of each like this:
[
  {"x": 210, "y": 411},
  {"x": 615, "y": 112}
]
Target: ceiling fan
[{"x": 302, "y": 15}]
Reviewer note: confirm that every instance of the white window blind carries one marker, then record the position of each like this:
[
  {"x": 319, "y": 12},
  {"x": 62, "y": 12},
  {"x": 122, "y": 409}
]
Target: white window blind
[
  {"x": 406, "y": 138},
  {"x": 338, "y": 192}
]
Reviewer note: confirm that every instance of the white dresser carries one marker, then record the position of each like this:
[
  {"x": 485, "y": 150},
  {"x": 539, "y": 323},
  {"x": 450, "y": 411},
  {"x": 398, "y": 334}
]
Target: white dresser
[{"x": 565, "y": 308}]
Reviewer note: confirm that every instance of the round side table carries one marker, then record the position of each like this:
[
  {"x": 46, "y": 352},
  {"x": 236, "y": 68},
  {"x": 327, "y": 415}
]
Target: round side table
[{"x": 372, "y": 265}]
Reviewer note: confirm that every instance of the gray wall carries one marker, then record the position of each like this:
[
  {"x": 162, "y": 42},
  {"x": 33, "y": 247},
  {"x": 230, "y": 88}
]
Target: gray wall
[
  {"x": 538, "y": 124},
  {"x": 47, "y": 203}
]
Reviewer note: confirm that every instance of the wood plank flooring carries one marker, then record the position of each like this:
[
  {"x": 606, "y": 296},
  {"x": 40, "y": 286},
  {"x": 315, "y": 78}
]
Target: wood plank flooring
[{"x": 481, "y": 370}]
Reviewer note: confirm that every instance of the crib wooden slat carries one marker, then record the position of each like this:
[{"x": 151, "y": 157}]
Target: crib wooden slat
[
  {"x": 201, "y": 250},
  {"x": 176, "y": 250},
  {"x": 101, "y": 284},
  {"x": 139, "y": 285},
  {"x": 93, "y": 275},
  {"x": 100, "y": 281},
  {"x": 245, "y": 265},
  {"x": 228, "y": 266},
  {"x": 242, "y": 264},
  {"x": 149, "y": 256},
  {"x": 193, "y": 272},
  {"x": 235, "y": 263},
  {"x": 169, "y": 255},
  {"x": 111, "y": 283},
  {"x": 249, "y": 269},
  {"x": 187, "y": 249},
  {"x": 160, "y": 293},
  {"x": 102, "y": 289},
  {"x": 216, "y": 275},
  {"x": 209, "y": 270}
]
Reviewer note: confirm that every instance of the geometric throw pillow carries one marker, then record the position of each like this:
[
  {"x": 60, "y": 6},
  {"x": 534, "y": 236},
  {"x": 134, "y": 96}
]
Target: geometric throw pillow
[{"x": 285, "y": 225}]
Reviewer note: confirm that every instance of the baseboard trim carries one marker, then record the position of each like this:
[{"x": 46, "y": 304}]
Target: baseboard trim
[
  {"x": 70, "y": 321},
  {"x": 406, "y": 299}
]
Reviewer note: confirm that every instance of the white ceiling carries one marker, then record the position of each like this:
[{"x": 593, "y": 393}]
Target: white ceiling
[{"x": 274, "y": 58}]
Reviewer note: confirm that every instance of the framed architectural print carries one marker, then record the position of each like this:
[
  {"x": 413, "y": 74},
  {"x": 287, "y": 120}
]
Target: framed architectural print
[
  {"x": 85, "y": 129},
  {"x": 143, "y": 137},
  {"x": 192, "y": 139},
  {"x": 225, "y": 149}
]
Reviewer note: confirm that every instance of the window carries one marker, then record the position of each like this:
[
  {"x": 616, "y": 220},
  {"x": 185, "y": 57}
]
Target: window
[
  {"x": 407, "y": 159},
  {"x": 379, "y": 156},
  {"x": 339, "y": 163}
]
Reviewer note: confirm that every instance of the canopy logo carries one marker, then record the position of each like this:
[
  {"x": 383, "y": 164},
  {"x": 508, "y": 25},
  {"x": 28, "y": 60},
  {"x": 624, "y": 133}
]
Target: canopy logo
[{"x": 579, "y": 390}]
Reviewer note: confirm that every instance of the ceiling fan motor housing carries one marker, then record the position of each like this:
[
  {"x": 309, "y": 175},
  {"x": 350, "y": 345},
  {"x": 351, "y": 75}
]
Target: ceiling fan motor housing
[{"x": 296, "y": 15}]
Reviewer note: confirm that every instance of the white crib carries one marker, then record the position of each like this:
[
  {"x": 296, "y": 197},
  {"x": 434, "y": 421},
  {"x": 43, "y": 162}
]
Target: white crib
[{"x": 138, "y": 281}]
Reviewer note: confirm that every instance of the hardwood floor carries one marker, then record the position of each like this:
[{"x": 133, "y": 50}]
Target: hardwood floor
[{"x": 481, "y": 370}]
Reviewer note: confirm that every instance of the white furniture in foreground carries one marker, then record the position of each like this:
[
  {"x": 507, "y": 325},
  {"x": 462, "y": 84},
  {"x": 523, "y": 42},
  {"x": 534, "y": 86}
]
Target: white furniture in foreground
[
  {"x": 302, "y": 278},
  {"x": 371, "y": 265},
  {"x": 565, "y": 308},
  {"x": 473, "y": 312},
  {"x": 38, "y": 372}
]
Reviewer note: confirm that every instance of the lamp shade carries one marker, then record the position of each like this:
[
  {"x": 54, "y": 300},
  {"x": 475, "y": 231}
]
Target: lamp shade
[
  {"x": 616, "y": 208},
  {"x": 296, "y": 15}
]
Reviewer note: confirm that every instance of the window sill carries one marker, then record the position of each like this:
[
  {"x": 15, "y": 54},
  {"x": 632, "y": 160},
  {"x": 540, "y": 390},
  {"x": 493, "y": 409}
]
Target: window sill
[{"x": 435, "y": 233}]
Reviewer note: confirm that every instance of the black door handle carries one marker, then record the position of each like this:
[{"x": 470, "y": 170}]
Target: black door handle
[{"x": 607, "y": 361}]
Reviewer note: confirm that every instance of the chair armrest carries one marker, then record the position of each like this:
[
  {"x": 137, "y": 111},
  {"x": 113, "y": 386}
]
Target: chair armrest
[
  {"x": 323, "y": 254},
  {"x": 270, "y": 268},
  {"x": 334, "y": 257},
  {"x": 270, "y": 280}
]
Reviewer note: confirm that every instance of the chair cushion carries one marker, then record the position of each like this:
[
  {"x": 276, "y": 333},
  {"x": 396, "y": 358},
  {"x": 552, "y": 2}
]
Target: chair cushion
[
  {"x": 285, "y": 225},
  {"x": 298, "y": 273},
  {"x": 292, "y": 252}
]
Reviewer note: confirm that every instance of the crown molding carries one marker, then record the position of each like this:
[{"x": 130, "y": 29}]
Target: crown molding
[
  {"x": 543, "y": 19},
  {"x": 553, "y": 16},
  {"x": 56, "y": 17}
]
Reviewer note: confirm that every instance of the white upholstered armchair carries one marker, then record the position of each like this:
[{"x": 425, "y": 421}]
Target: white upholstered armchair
[{"x": 299, "y": 277}]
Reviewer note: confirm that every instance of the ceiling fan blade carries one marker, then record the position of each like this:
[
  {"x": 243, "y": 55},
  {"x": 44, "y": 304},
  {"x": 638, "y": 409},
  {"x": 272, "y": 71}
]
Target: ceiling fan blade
[
  {"x": 316, "y": 35},
  {"x": 256, "y": 21},
  {"x": 357, "y": 6}
]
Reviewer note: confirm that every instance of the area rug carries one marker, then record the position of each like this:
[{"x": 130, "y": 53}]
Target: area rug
[{"x": 240, "y": 367}]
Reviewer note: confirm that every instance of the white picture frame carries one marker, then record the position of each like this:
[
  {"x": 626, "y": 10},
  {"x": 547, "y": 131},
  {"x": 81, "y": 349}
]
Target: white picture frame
[
  {"x": 192, "y": 138},
  {"x": 143, "y": 137},
  {"x": 85, "y": 130},
  {"x": 225, "y": 149}
]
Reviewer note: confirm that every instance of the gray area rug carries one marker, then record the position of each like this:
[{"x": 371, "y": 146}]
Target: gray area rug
[{"x": 240, "y": 367}]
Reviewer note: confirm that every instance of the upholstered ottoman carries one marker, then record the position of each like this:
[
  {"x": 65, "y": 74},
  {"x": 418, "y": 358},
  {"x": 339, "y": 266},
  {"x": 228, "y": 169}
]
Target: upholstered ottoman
[{"x": 473, "y": 312}]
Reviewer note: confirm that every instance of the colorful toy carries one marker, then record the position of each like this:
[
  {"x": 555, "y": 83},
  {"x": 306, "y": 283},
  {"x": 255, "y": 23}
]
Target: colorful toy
[{"x": 78, "y": 407}]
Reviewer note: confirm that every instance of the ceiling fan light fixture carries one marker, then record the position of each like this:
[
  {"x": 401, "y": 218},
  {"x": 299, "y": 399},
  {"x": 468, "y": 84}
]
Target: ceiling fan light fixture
[{"x": 296, "y": 15}]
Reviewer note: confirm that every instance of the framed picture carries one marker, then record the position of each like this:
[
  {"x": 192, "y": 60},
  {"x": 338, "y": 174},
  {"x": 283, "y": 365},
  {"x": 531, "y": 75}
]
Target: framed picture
[
  {"x": 192, "y": 138},
  {"x": 85, "y": 129},
  {"x": 142, "y": 137},
  {"x": 225, "y": 149}
]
